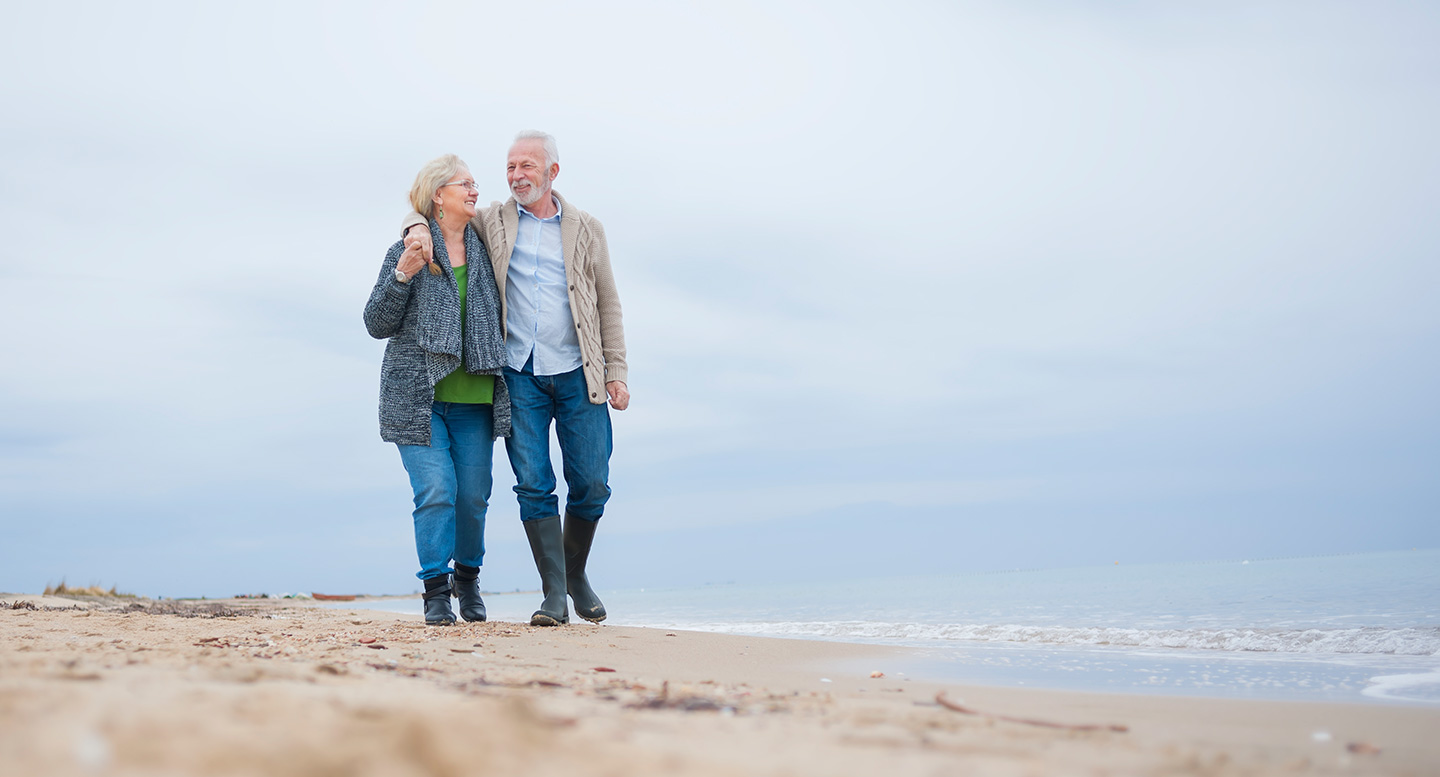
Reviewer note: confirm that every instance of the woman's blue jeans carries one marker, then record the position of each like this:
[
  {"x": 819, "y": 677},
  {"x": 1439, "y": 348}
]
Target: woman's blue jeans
[
  {"x": 583, "y": 429},
  {"x": 451, "y": 479}
]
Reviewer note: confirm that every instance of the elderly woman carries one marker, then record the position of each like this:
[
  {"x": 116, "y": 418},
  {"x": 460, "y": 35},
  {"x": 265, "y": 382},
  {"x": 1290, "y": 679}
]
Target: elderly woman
[{"x": 440, "y": 402}]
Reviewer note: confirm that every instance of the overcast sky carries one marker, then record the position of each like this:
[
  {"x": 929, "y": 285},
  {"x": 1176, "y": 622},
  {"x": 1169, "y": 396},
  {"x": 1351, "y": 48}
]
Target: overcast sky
[{"x": 908, "y": 286}]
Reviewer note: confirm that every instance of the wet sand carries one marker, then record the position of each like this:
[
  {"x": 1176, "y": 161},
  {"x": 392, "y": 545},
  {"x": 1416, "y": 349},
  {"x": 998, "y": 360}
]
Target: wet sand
[{"x": 287, "y": 688}]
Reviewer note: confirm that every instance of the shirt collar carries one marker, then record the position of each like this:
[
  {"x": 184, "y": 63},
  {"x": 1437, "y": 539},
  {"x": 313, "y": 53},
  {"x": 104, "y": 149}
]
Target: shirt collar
[{"x": 558, "y": 210}]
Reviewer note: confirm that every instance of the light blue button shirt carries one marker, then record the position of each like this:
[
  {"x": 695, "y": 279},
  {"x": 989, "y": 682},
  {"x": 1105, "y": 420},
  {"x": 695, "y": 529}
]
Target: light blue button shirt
[{"x": 537, "y": 305}]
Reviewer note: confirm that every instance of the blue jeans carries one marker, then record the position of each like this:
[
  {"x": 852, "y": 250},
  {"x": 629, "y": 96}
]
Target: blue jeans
[
  {"x": 583, "y": 429},
  {"x": 451, "y": 479}
]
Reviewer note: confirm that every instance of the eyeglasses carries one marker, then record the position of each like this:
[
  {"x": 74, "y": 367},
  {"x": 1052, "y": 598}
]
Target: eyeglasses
[{"x": 467, "y": 184}]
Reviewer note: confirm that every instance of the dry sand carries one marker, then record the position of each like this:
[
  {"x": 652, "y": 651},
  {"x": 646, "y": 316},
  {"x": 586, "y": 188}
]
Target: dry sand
[{"x": 267, "y": 688}]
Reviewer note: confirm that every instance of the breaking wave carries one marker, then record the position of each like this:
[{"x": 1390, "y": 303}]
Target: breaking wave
[{"x": 1365, "y": 641}]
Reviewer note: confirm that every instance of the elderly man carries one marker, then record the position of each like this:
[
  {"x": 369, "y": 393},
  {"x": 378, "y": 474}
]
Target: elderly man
[{"x": 565, "y": 344}]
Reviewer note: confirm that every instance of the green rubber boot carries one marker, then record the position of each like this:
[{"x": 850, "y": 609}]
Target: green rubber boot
[
  {"x": 547, "y": 544},
  {"x": 579, "y": 534}
]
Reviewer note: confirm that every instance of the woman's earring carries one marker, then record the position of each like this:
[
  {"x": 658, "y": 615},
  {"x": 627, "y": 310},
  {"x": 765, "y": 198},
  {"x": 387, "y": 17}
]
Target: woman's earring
[{"x": 441, "y": 214}]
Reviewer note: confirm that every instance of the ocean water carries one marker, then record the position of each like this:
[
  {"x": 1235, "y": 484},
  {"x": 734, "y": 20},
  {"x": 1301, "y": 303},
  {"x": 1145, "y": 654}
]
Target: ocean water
[{"x": 1361, "y": 627}]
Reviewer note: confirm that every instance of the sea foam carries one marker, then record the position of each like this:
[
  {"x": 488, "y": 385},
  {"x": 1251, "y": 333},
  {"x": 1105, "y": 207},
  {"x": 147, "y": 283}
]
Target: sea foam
[{"x": 1364, "y": 641}]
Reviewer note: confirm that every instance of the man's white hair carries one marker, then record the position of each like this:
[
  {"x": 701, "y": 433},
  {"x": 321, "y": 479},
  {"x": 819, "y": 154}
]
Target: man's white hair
[{"x": 552, "y": 151}]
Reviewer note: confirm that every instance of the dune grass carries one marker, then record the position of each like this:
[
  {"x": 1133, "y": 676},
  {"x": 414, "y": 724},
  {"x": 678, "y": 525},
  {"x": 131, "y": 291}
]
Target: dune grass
[{"x": 64, "y": 590}]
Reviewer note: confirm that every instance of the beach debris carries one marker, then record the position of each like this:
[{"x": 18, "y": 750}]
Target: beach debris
[
  {"x": 683, "y": 702},
  {"x": 461, "y": 650},
  {"x": 825, "y": 680},
  {"x": 367, "y": 640},
  {"x": 186, "y": 610},
  {"x": 1362, "y": 748},
  {"x": 669, "y": 634},
  {"x": 403, "y": 671},
  {"x": 530, "y": 683},
  {"x": 377, "y": 647},
  {"x": 603, "y": 669},
  {"x": 950, "y": 705},
  {"x": 25, "y": 606},
  {"x": 1320, "y": 736},
  {"x": 876, "y": 675}
]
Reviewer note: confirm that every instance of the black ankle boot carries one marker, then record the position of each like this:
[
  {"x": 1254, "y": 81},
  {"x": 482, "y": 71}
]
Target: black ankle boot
[
  {"x": 579, "y": 535},
  {"x": 547, "y": 544},
  {"x": 437, "y": 602},
  {"x": 467, "y": 590}
]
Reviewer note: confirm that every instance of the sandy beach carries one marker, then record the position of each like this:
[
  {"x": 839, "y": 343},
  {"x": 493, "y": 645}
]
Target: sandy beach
[{"x": 287, "y": 688}]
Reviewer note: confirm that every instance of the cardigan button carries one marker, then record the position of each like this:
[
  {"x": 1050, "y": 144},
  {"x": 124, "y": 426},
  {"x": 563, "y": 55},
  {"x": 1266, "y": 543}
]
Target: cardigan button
[{"x": 592, "y": 393}]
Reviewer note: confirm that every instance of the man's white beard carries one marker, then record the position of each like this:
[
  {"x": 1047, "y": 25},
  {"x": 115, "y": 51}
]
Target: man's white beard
[{"x": 535, "y": 191}]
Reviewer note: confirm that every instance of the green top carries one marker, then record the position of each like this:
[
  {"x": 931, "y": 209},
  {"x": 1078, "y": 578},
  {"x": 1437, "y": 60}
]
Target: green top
[{"x": 461, "y": 386}]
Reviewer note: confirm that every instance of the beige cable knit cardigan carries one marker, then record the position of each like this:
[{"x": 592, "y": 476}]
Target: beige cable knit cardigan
[{"x": 594, "y": 303}]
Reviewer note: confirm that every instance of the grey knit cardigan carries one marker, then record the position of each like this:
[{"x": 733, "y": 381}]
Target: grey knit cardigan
[{"x": 422, "y": 320}]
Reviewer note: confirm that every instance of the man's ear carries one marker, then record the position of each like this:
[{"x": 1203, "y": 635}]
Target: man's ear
[{"x": 554, "y": 171}]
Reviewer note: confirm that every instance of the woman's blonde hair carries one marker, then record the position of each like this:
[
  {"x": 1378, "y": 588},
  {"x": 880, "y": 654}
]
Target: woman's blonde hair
[{"x": 435, "y": 172}]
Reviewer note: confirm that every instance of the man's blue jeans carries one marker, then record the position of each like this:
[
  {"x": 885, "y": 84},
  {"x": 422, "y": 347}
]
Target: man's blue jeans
[
  {"x": 583, "y": 430},
  {"x": 451, "y": 479}
]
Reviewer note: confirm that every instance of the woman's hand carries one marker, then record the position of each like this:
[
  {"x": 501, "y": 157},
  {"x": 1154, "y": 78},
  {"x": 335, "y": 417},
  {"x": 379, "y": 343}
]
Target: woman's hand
[{"x": 411, "y": 261}]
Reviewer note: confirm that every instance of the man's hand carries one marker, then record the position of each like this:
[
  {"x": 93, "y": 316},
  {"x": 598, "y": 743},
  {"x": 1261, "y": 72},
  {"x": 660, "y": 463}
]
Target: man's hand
[
  {"x": 619, "y": 395},
  {"x": 411, "y": 261},
  {"x": 419, "y": 238}
]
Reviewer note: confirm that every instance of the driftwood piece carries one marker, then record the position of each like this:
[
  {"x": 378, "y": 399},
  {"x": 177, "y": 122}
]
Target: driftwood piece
[{"x": 950, "y": 705}]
